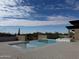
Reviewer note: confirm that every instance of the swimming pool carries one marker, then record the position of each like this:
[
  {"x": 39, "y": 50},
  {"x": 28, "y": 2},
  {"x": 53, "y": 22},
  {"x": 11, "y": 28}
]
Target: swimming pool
[{"x": 34, "y": 43}]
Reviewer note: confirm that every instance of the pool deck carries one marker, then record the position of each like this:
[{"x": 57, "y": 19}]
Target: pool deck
[{"x": 55, "y": 51}]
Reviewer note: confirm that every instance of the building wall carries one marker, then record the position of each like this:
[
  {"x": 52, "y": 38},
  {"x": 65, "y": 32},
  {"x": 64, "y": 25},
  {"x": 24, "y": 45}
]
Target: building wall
[
  {"x": 42, "y": 37},
  {"x": 76, "y": 34},
  {"x": 21, "y": 37},
  {"x": 31, "y": 37}
]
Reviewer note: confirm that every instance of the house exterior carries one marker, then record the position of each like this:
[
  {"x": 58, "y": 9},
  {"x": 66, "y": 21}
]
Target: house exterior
[
  {"x": 29, "y": 37},
  {"x": 21, "y": 37},
  {"x": 42, "y": 36},
  {"x": 74, "y": 30},
  {"x": 36, "y": 36}
]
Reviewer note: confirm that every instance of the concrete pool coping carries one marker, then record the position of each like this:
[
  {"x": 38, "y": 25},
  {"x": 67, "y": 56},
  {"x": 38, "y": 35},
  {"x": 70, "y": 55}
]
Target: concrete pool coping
[{"x": 59, "y": 50}]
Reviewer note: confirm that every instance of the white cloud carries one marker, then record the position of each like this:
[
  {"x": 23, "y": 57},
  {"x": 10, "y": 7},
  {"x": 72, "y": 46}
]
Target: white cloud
[
  {"x": 58, "y": 19},
  {"x": 52, "y": 20},
  {"x": 23, "y": 11},
  {"x": 76, "y": 6},
  {"x": 70, "y": 2},
  {"x": 7, "y": 2},
  {"x": 14, "y": 22},
  {"x": 61, "y": 19},
  {"x": 16, "y": 10},
  {"x": 73, "y": 3},
  {"x": 57, "y": 7}
]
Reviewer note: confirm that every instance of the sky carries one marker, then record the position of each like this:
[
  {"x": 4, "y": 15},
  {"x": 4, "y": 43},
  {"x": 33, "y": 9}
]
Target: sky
[{"x": 37, "y": 15}]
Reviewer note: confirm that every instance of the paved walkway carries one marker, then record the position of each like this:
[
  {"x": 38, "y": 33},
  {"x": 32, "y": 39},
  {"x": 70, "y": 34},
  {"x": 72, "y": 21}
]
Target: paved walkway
[{"x": 55, "y": 51}]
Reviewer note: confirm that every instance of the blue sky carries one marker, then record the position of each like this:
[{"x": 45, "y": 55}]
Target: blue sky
[{"x": 37, "y": 15}]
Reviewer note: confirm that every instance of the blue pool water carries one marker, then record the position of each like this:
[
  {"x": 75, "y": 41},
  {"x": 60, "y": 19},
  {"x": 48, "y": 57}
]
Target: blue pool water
[{"x": 35, "y": 43}]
